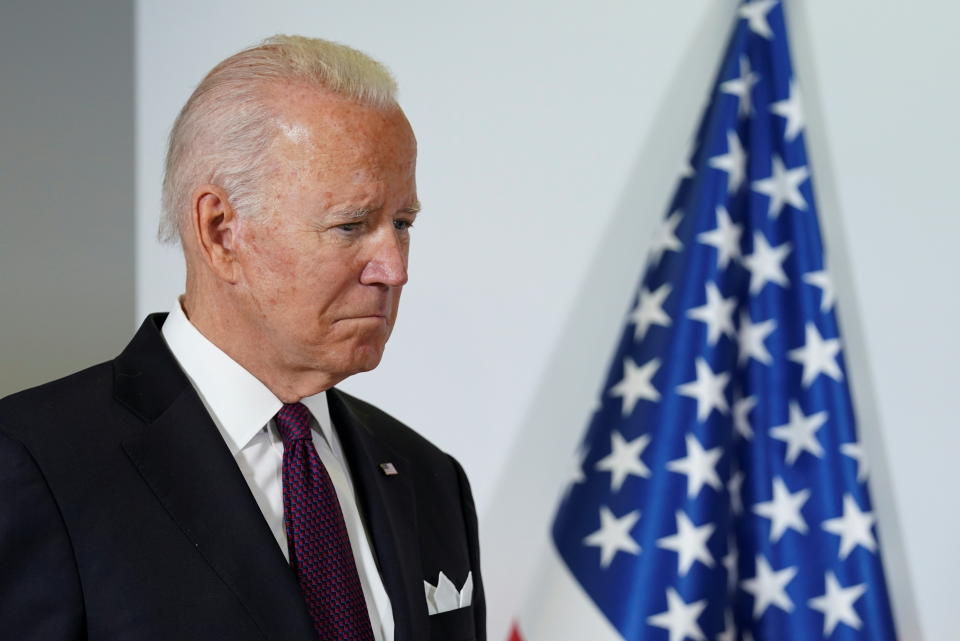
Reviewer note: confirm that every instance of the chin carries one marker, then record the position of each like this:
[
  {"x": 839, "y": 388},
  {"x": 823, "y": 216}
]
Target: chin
[
  {"x": 370, "y": 362},
  {"x": 362, "y": 358}
]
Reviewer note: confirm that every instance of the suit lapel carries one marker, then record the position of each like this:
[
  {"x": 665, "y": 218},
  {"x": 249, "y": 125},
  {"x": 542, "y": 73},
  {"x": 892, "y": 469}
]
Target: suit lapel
[
  {"x": 182, "y": 457},
  {"x": 388, "y": 508}
]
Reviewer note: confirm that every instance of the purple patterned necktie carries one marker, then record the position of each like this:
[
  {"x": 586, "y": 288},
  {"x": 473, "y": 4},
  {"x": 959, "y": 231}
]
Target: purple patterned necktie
[{"x": 317, "y": 537}]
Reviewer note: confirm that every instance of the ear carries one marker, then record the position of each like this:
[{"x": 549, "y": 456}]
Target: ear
[{"x": 215, "y": 227}]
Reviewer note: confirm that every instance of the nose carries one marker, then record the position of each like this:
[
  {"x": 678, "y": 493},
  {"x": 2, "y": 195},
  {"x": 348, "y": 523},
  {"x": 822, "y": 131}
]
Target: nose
[{"x": 388, "y": 261}]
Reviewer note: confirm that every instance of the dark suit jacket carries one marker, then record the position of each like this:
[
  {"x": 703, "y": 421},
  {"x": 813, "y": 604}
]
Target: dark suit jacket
[{"x": 124, "y": 517}]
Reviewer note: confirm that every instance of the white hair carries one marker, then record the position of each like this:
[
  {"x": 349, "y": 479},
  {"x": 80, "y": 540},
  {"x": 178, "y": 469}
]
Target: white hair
[{"x": 224, "y": 130}]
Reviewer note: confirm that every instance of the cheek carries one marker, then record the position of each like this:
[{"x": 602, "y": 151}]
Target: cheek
[
  {"x": 264, "y": 250},
  {"x": 270, "y": 268}
]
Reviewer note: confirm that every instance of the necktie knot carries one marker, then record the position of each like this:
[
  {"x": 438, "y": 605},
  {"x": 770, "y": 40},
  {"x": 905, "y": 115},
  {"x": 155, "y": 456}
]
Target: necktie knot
[{"x": 293, "y": 422}]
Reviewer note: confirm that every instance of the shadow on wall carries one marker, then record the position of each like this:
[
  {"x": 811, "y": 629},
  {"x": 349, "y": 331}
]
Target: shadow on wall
[{"x": 515, "y": 529}]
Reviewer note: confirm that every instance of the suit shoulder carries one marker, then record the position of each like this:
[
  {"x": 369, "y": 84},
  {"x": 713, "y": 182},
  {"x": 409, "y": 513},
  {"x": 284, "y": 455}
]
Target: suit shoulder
[
  {"x": 402, "y": 437},
  {"x": 52, "y": 402}
]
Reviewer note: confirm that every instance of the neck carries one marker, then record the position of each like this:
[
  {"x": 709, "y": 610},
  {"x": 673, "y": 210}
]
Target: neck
[{"x": 223, "y": 324}]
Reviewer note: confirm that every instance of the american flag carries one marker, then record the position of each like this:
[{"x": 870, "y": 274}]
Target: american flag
[{"x": 721, "y": 487}]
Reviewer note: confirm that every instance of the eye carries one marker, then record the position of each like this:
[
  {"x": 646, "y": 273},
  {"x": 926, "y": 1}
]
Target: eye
[
  {"x": 349, "y": 227},
  {"x": 402, "y": 225}
]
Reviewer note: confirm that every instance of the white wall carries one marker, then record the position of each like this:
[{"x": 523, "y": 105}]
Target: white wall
[{"x": 550, "y": 136}]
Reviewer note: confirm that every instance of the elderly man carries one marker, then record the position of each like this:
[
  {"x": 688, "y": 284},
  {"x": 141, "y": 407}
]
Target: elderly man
[{"x": 210, "y": 482}]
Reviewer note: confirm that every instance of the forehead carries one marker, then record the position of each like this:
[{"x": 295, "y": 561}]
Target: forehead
[{"x": 317, "y": 124}]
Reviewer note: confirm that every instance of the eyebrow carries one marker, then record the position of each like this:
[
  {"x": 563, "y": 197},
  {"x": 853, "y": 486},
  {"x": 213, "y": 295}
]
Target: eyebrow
[
  {"x": 364, "y": 211},
  {"x": 356, "y": 213}
]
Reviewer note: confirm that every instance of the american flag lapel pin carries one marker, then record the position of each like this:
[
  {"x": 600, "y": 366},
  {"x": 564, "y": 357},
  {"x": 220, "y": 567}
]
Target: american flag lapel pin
[{"x": 388, "y": 469}]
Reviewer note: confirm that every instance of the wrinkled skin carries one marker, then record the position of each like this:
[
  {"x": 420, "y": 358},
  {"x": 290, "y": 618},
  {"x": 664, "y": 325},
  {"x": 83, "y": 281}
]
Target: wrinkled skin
[{"x": 308, "y": 294}]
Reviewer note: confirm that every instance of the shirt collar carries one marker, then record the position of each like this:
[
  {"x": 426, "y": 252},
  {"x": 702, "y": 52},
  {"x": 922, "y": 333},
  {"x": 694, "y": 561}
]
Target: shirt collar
[{"x": 238, "y": 402}]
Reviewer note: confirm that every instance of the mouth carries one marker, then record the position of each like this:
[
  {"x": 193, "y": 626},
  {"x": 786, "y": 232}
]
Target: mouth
[{"x": 366, "y": 317}]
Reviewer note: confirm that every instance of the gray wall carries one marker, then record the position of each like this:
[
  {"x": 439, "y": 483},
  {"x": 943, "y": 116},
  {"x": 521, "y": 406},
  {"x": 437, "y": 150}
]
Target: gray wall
[{"x": 66, "y": 186}]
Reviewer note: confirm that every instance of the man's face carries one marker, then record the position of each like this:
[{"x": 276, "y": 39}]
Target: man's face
[{"x": 323, "y": 270}]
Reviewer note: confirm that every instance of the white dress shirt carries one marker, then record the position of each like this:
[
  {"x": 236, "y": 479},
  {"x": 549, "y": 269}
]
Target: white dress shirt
[{"x": 243, "y": 408}]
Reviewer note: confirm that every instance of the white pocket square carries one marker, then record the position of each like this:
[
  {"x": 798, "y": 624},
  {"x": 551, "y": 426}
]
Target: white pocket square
[{"x": 444, "y": 596}]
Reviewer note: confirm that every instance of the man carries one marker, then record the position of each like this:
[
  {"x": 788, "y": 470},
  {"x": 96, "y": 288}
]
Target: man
[{"x": 210, "y": 482}]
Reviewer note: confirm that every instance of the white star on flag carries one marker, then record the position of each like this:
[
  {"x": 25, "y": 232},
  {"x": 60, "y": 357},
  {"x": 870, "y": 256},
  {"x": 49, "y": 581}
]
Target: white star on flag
[
  {"x": 636, "y": 383},
  {"x": 577, "y": 475},
  {"x": 858, "y": 454},
  {"x": 817, "y": 356},
  {"x": 725, "y": 237},
  {"x": 766, "y": 263},
  {"x": 717, "y": 313},
  {"x": 734, "y": 162},
  {"x": 791, "y": 110},
  {"x": 741, "y": 87},
  {"x": 649, "y": 310},
  {"x": 624, "y": 459},
  {"x": 614, "y": 535},
  {"x": 769, "y": 587},
  {"x": 741, "y": 409},
  {"x": 680, "y": 618},
  {"x": 822, "y": 280},
  {"x": 756, "y": 14},
  {"x": 734, "y": 485},
  {"x": 752, "y": 337},
  {"x": 836, "y": 604},
  {"x": 690, "y": 543},
  {"x": 854, "y": 527},
  {"x": 729, "y": 629},
  {"x": 665, "y": 239},
  {"x": 783, "y": 510},
  {"x": 800, "y": 433},
  {"x": 699, "y": 465},
  {"x": 730, "y": 563},
  {"x": 707, "y": 389},
  {"x": 782, "y": 187}
]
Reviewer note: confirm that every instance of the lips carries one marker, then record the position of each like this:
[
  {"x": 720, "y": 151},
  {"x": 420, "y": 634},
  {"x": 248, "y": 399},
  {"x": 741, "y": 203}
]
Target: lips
[{"x": 380, "y": 317}]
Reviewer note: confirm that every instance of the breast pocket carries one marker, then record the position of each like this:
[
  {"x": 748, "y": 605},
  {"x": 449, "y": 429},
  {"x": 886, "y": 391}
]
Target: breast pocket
[{"x": 455, "y": 625}]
